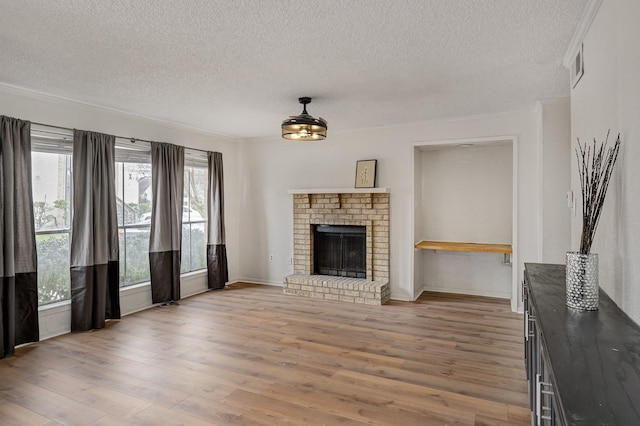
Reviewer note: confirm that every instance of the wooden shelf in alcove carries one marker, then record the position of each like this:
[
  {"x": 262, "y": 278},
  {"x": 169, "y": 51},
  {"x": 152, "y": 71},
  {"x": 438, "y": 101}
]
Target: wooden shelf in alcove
[{"x": 455, "y": 246}]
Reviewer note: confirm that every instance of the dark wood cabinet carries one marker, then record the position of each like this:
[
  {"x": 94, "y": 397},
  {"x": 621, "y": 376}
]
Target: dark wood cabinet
[
  {"x": 542, "y": 399},
  {"x": 583, "y": 368}
]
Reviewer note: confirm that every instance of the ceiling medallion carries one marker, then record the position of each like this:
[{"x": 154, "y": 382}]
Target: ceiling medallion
[{"x": 304, "y": 127}]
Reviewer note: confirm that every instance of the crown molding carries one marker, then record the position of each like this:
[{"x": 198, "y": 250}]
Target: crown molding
[{"x": 588, "y": 16}]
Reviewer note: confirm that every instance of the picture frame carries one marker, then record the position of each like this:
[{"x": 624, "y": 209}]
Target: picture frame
[
  {"x": 577, "y": 67},
  {"x": 366, "y": 173}
]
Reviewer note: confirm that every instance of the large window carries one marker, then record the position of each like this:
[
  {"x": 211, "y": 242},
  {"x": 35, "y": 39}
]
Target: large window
[
  {"x": 194, "y": 212},
  {"x": 51, "y": 190},
  {"x": 52, "y": 202},
  {"x": 133, "y": 198}
]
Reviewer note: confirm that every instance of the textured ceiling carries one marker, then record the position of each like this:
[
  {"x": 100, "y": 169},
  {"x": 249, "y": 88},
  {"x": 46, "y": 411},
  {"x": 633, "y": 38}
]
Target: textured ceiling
[{"x": 237, "y": 67}]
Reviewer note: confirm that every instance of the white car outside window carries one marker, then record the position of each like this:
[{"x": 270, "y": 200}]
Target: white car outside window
[{"x": 188, "y": 215}]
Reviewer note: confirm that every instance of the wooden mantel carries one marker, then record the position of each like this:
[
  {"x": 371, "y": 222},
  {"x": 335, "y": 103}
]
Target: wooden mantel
[{"x": 455, "y": 246}]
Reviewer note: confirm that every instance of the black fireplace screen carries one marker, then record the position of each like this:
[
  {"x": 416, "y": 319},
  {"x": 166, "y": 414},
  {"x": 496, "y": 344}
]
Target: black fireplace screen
[{"x": 340, "y": 250}]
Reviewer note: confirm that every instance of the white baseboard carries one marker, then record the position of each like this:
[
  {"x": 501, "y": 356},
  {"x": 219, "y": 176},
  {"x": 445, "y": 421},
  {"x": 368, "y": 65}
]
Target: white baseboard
[
  {"x": 403, "y": 297},
  {"x": 470, "y": 292},
  {"x": 135, "y": 298},
  {"x": 257, "y": 281},
  {"x": 54, "y": 319},
  {"x": 192, "y": 284}
]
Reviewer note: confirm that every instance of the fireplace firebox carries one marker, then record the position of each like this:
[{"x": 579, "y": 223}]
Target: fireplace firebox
[{"x": 340, "y": 250}]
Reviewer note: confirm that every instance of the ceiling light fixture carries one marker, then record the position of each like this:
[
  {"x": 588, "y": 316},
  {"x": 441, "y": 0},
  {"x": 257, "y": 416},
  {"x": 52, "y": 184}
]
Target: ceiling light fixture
[{"x": 304, "y": 127}]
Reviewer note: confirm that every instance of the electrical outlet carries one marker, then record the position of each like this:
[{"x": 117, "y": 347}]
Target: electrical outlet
[{"x": 270, "y": 257}]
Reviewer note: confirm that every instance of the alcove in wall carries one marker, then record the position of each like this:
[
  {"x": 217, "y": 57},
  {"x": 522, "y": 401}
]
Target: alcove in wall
[{"x": 464, "y": 192}]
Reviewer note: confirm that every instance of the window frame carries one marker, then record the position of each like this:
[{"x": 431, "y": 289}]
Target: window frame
[
  {"x": 194, "y": 159},
  {"x": 130, "y": 152},
  {"x": 50, "y": 140}
]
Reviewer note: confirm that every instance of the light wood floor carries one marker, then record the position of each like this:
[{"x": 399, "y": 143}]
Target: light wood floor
[{"x": 250, "y": 355}]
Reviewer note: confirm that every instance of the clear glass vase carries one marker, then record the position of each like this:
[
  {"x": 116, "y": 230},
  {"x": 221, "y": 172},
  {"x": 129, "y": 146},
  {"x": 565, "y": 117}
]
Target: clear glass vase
[{"x": 582, "y": 281}]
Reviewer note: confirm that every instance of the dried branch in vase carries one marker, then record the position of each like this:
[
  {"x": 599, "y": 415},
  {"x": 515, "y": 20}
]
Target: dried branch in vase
[{"x": 595, "y": 166}]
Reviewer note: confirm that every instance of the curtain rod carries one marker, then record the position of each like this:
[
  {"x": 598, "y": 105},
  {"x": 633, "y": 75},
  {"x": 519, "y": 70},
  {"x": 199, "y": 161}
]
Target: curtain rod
[{"x": 133, "y": 140}]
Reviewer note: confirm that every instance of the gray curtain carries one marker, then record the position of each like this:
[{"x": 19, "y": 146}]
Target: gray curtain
[
  {"x": 95, "y": 290},
  {"x": 167, "y": 185},
  {"x": 18, "y": 262},
  {"x": 217, "y": 270}
]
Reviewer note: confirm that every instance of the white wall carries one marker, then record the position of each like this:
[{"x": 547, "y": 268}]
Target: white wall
[
  {"x": 555, "y": 145},
  {"x": 480, "y": 274},
  {"x": 258, "y": 173},
  {"x": 467, "y": 194},
  {"x": 271, "y": 166},
  {"x": 418, "y": 255},
  {"x": 608, "y": 97},
  {"x": 53, "y": 111}
]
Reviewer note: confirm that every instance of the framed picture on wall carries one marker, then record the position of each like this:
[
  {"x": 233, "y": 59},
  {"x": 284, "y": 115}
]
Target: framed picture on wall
[
  {"x": 577, "y": 68},
  {"x": 366, "y": 173}
]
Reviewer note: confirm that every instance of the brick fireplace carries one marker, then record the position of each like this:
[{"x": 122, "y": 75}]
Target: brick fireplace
[{"x": 335, "y": 207}]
